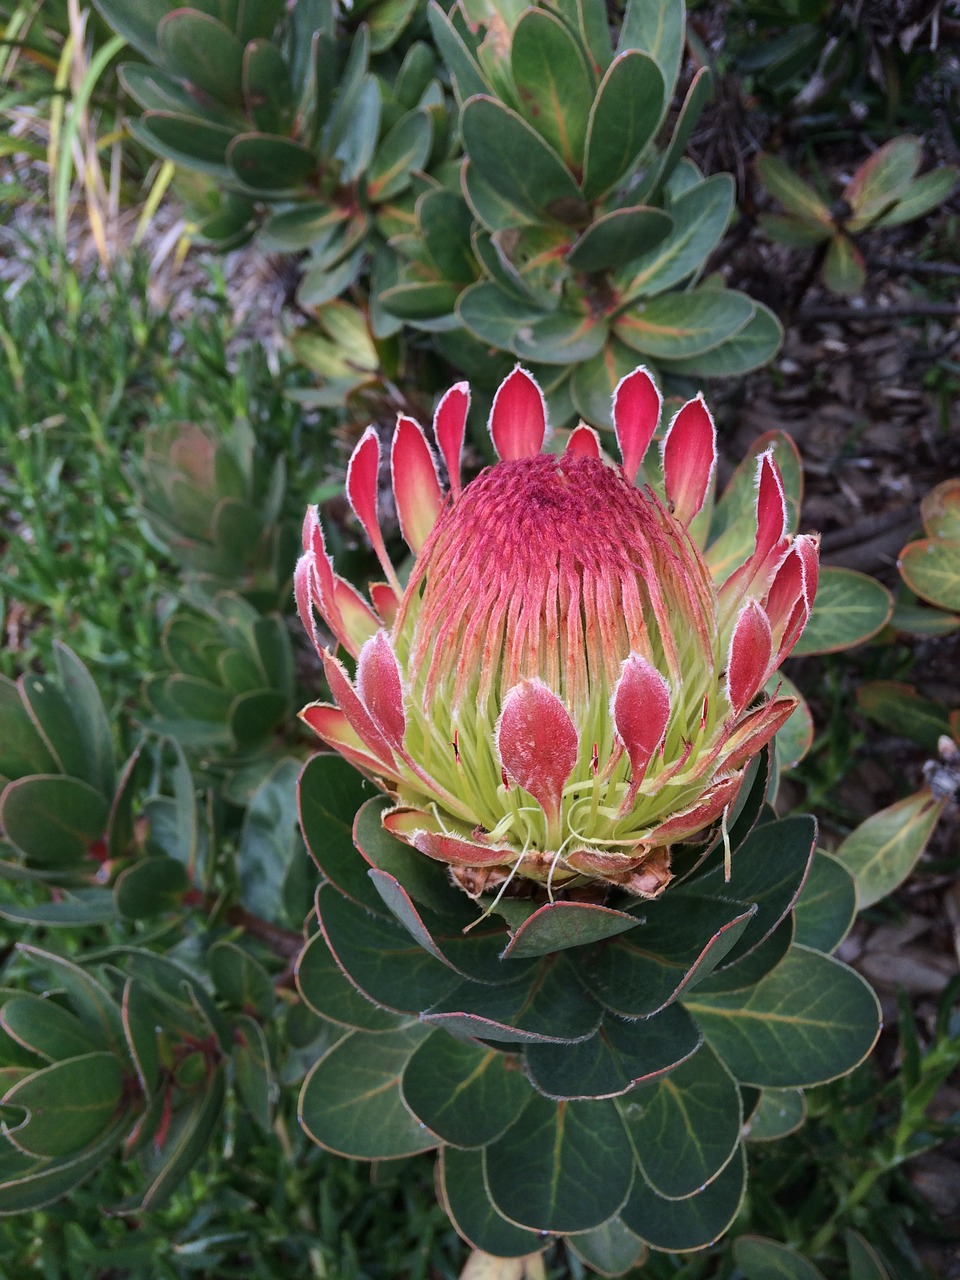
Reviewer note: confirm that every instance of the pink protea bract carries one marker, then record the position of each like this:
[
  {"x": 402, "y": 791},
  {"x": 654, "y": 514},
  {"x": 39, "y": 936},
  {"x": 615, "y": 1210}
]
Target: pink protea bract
[{"x": 562, "y": 690}]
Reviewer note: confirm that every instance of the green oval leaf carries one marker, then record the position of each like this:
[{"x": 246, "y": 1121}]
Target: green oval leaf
[
  {"x": 564, "y": 1166},
  {"x": 559, "y": 925},
  {"x": 610, "y": 1249},
  {"x": 465, "y": 1093},
  {"x": 546, "y": 1004},
  {"x": 700, "y": 217},
  {"x": 864, "y": 1261},
  {"x": 405, "y": 147},
  {"x": 779, "y": 1112},
  {"x": 516, "y": 162},
  {"x": 931, "y": 569},
  {"x": 684, "y": 324},
  {"x": 752, "y": 347},
  {"x": 793, "y": 193},
  {"x": 380, "y": 957},
  {"x": 327, "y": 991},
  {"x": 880, "y": 179},
  {"x": 554, "y": 86},
  {"x": 491, "y": 314},
  {"x": 466, "y": 1201},
  {"x": 351, "y": 1103},
  {"x": 810, "y": 1020},
  {"x": 561, "y": 338},
  {"x": 151, "y": 887},
  {"x": 611, "y": 240},
  {"x": 827, "y": 904},
  {"x": 330, "y": 793},
  {"x": 900, "y": 708},
  {"x": 47, "y": 1029},
  {"x": 622, "y": 1055},
  {"x": 53, "y": 820},
  {"x": 767, "y": 869},
  {"x": 884, "y": 849},
  {"x": 923, "y": 194},
  {"x": 686, "y": 1127},
  {"x": 844, "y": 270},
  {"x": 850, "y": 608},
  {"x": 693, "y": 1223},
  {"x": 270, "y": 162},
  {"x": 659, "y": 31},
  {"x": 267, "y": 87},
  {"x": 677, "y": 937},
  {"x": 240, "y": 979},
  {"x": 203, "y": 51},
  {"x": 623, "y": 119},
  {"x": 69, "y": 1104},
  {"x": 761, "y": 1259}
]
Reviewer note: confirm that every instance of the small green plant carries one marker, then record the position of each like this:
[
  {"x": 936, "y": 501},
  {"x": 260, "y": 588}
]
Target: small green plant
[
  {"x": 460, "y": 181},
  {"x": 884, "y": 192}
]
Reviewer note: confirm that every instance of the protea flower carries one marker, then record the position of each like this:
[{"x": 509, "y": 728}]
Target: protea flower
[{"x": 562, "y": 691}]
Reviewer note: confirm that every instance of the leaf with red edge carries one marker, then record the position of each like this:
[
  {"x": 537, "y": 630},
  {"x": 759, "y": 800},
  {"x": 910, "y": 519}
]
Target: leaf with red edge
[
  {"x": 931, "y": 569},
  {"x": 844, "y": 269},
  {"x": 850, "y": 608},
  {"x": 678, "y": 937},
  {"x": 884, "y": 849},
  {"x": 555, "y": 926},
  {"x": 881, "y": 179},
  {"x": 940, "y": 510},
  {"x": 612, "y": 1063}
]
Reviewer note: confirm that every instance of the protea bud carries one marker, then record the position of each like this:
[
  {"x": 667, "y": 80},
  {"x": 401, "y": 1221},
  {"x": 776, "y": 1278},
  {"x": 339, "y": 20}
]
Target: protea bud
[{"x": 562, "y": 691}]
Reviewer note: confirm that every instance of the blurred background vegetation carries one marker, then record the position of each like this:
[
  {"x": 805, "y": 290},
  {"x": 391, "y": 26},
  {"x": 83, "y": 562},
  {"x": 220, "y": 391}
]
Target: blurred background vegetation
[{"x": 199, "y": 319}]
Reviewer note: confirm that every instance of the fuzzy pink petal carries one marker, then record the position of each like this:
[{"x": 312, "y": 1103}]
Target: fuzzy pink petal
[
  {"x": 449, "y": 425},
  {"x": 359, "y": 717},
  {"x": 359, "y": 620},
  {"x": 641, "y": 709},
  {"x": 416, "y": 485},
  {"x": 584, "y": 442},
  {"x": 332, "y": 727},
  {"x": 771, "y": 506},
  {"x": 363, "y": 479},
  {"x": 314, "y": 587},
  {"x": 707, "y": 809},
  {"x": 756, "y": 730},
  {"x": 385, "y": 602},
  {"x": 518, "y": 419},
  {"x": 751, "y": 650},
  {"x": 636, "y": 413},
  {"x": 689, "y": 458},
  {"x": 302, "y": 579},
  {"x": 602, "y": 862},
  {"x": 537, "y": 742},
  {"x": 381, "y": 688},
  {"x": 460, "y": 853}
]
